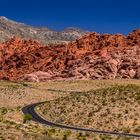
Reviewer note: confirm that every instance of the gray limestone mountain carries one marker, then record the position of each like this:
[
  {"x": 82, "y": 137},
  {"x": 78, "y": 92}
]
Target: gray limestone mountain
[{"x": 10, "y": 28}]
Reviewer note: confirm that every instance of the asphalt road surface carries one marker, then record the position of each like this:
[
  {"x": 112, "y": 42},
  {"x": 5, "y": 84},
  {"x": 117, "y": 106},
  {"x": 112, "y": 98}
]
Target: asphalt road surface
[{"x": 30, "y": 109}]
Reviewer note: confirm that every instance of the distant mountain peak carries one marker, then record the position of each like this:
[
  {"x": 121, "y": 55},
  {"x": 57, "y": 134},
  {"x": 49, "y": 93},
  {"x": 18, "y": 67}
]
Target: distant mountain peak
[
  {"x": 74, "y": 29},
  {"x": 3, "y": 18}
]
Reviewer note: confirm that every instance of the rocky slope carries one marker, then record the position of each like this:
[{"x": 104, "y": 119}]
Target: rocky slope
[
  {"x": 10, "y": 28},
  {"x": 94, "y": 56}
]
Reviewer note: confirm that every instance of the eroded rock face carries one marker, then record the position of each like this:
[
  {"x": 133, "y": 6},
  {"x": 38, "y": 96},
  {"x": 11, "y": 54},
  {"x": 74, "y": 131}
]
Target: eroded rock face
[{"x": 94, "y": 56}]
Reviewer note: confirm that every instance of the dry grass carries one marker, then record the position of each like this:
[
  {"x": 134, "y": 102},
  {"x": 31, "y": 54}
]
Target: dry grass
[{"x": 82, "y": 85}]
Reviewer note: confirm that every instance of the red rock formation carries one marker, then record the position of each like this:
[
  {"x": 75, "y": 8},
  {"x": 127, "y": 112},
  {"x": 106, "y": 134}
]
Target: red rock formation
[
  {"x": 94, "y": 56},
  {"x": 20, "y": 57}
]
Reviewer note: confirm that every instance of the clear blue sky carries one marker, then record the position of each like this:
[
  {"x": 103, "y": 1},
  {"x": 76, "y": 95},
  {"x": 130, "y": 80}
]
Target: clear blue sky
[{"x": 95, "y": 15}]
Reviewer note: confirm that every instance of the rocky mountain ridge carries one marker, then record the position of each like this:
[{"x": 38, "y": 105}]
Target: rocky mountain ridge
[{"x": 10, "y": 29}]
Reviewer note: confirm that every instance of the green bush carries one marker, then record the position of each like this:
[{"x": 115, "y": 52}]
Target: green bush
[{"x": 27, "y": 117}]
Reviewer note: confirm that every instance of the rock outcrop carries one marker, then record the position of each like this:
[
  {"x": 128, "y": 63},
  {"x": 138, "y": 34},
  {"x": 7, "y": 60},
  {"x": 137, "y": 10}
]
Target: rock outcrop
[{"x": 94, "y": 56}]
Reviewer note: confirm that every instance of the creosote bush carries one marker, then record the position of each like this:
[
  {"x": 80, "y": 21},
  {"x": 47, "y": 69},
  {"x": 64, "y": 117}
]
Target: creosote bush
[{"x": 27, "y": 117}]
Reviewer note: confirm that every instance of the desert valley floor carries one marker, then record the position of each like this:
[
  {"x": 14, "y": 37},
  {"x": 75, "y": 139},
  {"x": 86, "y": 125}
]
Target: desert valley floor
[{"x": 98, "y": 104}]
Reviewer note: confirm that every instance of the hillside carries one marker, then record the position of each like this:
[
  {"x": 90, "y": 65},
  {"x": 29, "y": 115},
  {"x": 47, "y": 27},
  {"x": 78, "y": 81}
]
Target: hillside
[
  {"x": 113, "y": 108},
  {"x": 10, "y": 28},
  {"x": 94, "y": 56}
]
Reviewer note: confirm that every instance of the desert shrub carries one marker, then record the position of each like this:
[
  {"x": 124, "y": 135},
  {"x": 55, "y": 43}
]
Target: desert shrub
[
  {"x": 65, "y": 137},
  {"x": 81, "y": 136},
  {"x": 27, "y": 117},
  {"x": 137, "y": 129},
  {"x": 3, "y": 111}
]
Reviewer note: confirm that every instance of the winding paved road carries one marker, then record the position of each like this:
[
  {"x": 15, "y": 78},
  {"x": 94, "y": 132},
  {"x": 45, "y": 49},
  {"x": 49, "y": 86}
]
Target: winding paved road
[{"x": 30, "y": 109}]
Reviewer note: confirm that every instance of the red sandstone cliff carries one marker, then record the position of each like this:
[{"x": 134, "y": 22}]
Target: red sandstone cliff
[{"x": 94, "y": 56}]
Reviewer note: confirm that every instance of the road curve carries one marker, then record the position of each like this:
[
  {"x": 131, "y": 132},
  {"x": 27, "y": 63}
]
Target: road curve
[{"x": 30, "y": 109}]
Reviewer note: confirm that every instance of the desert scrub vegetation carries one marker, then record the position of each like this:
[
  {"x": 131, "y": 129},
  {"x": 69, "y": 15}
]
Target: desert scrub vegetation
[
  {"x": 14, "y": 96},
  {"x": 115, "y": 108},
  {"x": 81, "y": 85},
  {"x": 11, "y": 130},
  {"x": 27, "y": 117}
]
